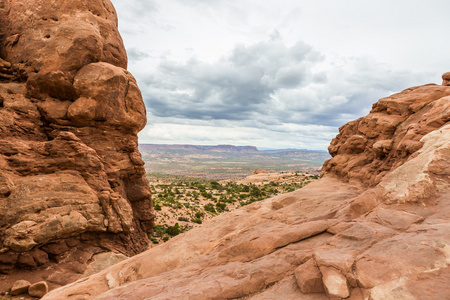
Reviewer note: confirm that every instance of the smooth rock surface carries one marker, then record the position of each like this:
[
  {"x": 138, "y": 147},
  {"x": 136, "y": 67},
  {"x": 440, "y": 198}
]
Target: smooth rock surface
[{"x": 335, "y": 283}]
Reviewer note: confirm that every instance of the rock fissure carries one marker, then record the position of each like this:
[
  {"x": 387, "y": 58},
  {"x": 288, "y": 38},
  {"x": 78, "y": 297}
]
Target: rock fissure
[{"x": 298, "y": 241}]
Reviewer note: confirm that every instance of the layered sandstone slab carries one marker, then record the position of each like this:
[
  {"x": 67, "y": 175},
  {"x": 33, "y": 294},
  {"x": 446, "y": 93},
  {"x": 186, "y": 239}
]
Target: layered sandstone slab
[
  {"x": 72, "y": 181},
  {"x": 375, "y": 226}
]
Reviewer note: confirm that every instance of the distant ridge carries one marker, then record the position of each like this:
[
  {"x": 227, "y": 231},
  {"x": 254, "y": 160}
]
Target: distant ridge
[
  {"x": 292, "y": 150},
  {"x": 218, "y": 148}
]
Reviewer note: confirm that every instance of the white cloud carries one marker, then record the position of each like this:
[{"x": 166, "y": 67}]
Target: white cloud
[
  {"x": 274, "y": 72},
  {"x": 265, "y": 80},
  {"x": 285, "y": 135}
]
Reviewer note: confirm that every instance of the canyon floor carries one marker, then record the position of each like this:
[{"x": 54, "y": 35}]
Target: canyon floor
[
  {"x": 218, "y": 163},
  {"x": 185, "y": 202}
]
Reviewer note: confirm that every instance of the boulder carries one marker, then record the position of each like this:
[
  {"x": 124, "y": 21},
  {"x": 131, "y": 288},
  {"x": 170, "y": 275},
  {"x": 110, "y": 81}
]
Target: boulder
[
  {"x": 38, "y": 289},
  {"x": 26, "y": 261},
  {"x": 20, "y": 287},
  {"x": 309, "y": 278},
  {"x": 335, "y": 283}
]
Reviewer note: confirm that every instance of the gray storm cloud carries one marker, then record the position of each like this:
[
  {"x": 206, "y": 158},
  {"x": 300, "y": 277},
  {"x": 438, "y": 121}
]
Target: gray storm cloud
[
  {"x": 285, "y": 72},
  {"x": 269, "y": 80}
]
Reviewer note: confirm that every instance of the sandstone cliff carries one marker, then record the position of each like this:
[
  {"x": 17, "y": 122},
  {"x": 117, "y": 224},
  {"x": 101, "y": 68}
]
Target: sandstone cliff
[
  {"x": 375, "y": 226},
  {"x": 72, "y": 181}
]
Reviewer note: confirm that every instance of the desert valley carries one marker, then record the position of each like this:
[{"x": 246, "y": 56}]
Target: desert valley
[{"x": 86, "y": 212}]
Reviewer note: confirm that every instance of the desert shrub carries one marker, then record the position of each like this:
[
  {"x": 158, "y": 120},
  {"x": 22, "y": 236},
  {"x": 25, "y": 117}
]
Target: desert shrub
[
  {"x": 166, "y": 238},
  {"x": 221, "y": 207},
  {"x": 199, "y": 215},
  {"x": 183, "y": 219},
  {"x": 197, "y": 220},
  {"x": 206, "y": 194},
  {"x": 215, "y": 185},
  {"x": 200, "y": 187},
  {"x": 250, "y": 201},
  {"x": 173, "y": 230},
  {"x": 157, "y": 206},
  {"x": 209, "y": 207},
  {"x": 158, "y": 230},
  {"x": 153, "y": 239},
  {"x": 255, "y": 192}
]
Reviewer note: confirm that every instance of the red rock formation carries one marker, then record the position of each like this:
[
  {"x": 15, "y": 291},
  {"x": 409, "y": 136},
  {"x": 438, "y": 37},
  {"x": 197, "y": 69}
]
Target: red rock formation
[
  {"x": 372, "y": 146},
  {"x": 72, "y": 181},
  {"x": 375, "y": 226}
]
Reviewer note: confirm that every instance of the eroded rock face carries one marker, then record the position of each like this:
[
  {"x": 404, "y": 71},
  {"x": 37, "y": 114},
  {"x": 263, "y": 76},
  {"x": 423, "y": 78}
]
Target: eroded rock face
[
  {"x": 56, "y": 38},
  {"x": 71, "y": 176},
  {"x": 357, "y": 233},
  {"x": 370, "y": 147}
]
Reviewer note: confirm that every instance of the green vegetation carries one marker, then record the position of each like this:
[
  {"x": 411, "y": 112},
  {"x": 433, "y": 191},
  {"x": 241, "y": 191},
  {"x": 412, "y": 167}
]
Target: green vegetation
[
  {"x": 184, "y": 202},
  {"x": 165, "y": 232}
]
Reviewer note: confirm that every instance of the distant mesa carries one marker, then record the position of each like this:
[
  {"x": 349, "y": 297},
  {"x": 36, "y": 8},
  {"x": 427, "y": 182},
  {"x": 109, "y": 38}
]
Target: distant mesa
[
  {"x": 218, "y": 148},
  {"x": 291, "y": 150}
]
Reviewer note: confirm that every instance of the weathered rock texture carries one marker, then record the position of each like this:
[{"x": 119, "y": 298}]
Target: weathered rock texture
[
  {"x": 372, "y": 146},
  {"x": 375, "y": 226},
  {"x": 72, "y": 181}
]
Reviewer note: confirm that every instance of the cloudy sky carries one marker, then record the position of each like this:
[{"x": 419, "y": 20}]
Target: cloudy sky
[{"x": 276, "y": 73}]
